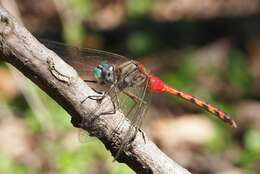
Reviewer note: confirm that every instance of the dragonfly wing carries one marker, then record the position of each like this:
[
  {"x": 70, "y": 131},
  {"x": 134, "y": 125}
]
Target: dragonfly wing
[
  {"x": 84, "y": 60},
  {"x": 142, "y": 96},
  {"x": 134, "y": 110}
]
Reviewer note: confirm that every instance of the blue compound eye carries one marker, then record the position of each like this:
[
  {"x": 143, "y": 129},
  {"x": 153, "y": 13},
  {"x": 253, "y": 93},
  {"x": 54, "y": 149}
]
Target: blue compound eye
[
  {"x": 97, "y": 73},
  {"x": 105, "y": 66}
]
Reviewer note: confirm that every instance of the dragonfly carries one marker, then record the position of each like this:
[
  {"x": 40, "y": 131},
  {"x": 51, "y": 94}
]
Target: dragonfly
[{"x": 120, "y": 78}]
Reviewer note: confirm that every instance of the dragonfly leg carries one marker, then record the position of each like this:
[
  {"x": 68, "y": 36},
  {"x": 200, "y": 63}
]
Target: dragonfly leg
[
  {"x": 127, "y": 141},
  {"x": 117, "y": 99},
  {"x": 137, "y": 99},
  {"x": 113, "y": 111},
  {"x": 134, "y": 97},
  {"x": 128, "y": 113},
  {"x": 96, "y": 116},
  {"x": 98, "y": 97},
  {"x": 94, "y": 97},
  {"x": 91, "y": 81},
  {"x": 113, "y": 103},
  {"x": 142, "y": 132}
]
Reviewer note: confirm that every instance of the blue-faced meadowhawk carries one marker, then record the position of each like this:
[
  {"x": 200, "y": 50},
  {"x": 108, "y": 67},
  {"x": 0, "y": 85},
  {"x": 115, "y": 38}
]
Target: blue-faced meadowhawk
[{"x": 117, "y": 76}]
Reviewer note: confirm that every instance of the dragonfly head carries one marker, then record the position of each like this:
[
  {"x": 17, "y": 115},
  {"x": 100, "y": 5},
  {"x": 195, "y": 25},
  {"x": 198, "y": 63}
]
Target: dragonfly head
[{"x": 104, "y": 73}]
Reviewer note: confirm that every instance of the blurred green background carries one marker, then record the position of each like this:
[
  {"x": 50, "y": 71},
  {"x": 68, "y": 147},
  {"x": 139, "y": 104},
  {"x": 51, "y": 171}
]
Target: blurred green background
[{"x": 210, "y": 49}]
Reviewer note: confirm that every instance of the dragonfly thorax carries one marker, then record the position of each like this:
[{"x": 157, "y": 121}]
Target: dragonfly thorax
[
  {"x": 123, "y": 76},
  {"x": 129, "y": 75},
  {"x": 104, "y": 73}
]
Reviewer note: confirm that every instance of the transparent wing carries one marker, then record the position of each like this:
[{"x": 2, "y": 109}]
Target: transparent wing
[
  {"x": 133, "y": 101},
  {"x": 134, "y": 108},
  {"x": 83, "y": 60}
]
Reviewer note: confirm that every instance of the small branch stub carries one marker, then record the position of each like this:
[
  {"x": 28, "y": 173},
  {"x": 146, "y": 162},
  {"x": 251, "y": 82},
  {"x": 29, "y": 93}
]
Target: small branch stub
[{"x": 56, "y": 73}]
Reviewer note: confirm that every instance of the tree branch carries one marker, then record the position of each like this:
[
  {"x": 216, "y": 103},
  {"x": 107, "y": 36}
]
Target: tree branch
[{"x": 62, "y": 83}]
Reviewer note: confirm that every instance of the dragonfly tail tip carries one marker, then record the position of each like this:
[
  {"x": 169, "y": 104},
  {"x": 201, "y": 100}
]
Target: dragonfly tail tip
[{"x": 233, "y": 124}]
